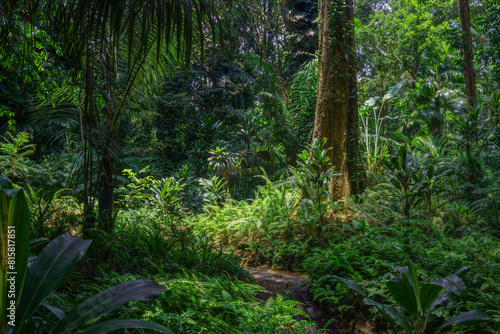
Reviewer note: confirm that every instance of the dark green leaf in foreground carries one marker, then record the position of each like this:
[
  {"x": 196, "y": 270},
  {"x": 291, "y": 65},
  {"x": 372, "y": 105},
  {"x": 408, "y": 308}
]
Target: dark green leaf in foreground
[
  {"x": 429, "y": 293},
  {"x": 403, "y": 292},
  {"x": 14, "y": 233},
  {"x": 49, "y": 271},
  {"x": 112, "y": 325},
  {"x": 467, "y": 318},
  {"x": 107, "y": 300},
  {"x": 389, "y": 311},
  {"x": 454, "y": 284},
  {"x": 57, "y": 312},
  {"x": 353, "y": 285}
]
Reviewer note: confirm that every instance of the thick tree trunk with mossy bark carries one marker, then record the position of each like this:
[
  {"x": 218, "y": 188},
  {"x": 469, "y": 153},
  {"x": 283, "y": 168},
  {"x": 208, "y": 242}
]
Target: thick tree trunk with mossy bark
[
  {"x": 470, "y": 80},
  {"x": 336, "y": 106}
]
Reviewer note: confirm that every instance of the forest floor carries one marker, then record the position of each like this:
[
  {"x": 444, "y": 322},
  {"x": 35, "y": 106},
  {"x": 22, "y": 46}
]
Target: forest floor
[{"x": 294, "y": 285}]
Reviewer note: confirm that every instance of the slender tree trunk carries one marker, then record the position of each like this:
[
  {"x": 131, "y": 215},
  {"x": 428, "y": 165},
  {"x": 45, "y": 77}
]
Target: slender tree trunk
[
  {"x": 470, "y": 81},
  {"x": 438, "y": 124},
  {"x": 106, "y": 188},
  {"x": 336, "y": 90},
  {"x": 358, "y": 176},
  {"x": 108, "y": 146},
  {"x": 87, "y": 121}
]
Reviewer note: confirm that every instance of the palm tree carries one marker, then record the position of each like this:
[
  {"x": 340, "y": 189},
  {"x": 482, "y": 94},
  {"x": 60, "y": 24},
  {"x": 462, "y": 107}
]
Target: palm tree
[
  {"x": 223, "y": 162},
  {"x": 115, "y": 47}
]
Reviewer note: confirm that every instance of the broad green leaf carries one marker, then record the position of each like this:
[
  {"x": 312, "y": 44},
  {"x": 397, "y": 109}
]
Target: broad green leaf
[
  {"x": 14, "y": 239},
  {"x": 357, "y": 23},
  {"x": 114, "y": 324},
  {"x": 414, "y": 278},
  {"x": 403, "y": 292},
  {"x": 447, "y": 293},
  {"x": 429, "y": 293},
  {"x": 371, "y": 101},
  {"x": 107, "y": 300},
  {"x": 402, "y": 158},
  {"x": 467, "y": 318},
  {"x": 431, "y": 170},
  {"x": 19, "y": 217},
  {"x": 5, "y": 183},
  {"x": 37, "y": 242},
  {"x": 454, "y": 284},
  {"x": 403, "y": 138},
  {"x": 411, "y": 272},
  {"x": 396, "y": 183},
  {"x": 444, "y": 296},
  {"x": 353, "y": 285},
  {"x": 362, "y": 226},
  {"x": 57, "y": 312},
  {"x": 393, "y": 91},
  {"x": 374, "y": 230},
  {"x": 418, "y": 176},
  {"x": 392, "y": 314},
  {"x": 461, "y": 270},
  {"x": 304, "y": 207},
  {"x": 48, "y": 272}
]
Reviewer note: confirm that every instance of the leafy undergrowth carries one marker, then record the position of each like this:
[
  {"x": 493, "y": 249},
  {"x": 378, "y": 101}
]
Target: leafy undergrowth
[
  {"x": 201, "y": 304},
  {"x": 290, "y": 223},
  {"x": 197, "y": 303},
  {"x": 208, "y": 290},
  {"x": 274, "y": 230},
  {"x": 372, "y": 261}
]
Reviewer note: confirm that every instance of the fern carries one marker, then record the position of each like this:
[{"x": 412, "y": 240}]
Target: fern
[{"x": 302, "y": 96}]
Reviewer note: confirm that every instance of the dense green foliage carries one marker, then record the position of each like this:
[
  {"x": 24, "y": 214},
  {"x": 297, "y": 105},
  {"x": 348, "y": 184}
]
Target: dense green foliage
[{"x": 178, "y": 137}]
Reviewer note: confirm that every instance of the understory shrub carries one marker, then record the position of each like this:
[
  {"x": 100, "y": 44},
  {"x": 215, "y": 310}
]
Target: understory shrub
[{"x": 372, "y": 262}]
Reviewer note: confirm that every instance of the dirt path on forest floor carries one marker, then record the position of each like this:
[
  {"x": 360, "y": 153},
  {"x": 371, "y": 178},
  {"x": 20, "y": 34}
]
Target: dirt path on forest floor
[{"x": 277, "y": 281}]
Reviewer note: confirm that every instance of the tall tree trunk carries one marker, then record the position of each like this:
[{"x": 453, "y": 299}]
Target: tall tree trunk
[
  {"x": 358, "y": 176},
  {"x": 87, "y": 123},
  {"x": 470, "y": 81},
  {"x": 108, "y": 145},
  {"x": 470, "y": 84},
  {"x": 336, "y": 90},
  {"x": 105, "y": 192}
]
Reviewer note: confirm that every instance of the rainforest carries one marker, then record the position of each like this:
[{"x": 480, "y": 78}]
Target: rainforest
[{"x": 250, "y": 166}]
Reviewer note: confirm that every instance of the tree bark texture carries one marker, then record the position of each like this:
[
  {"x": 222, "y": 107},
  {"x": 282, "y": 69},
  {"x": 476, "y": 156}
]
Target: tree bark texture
[
  {"x": 470, "y": 81},
  {"x": 336, "y": 106},
  {"x": 106, "y": 190},
  {"x": 108, "y": 146},
  {"x": 358, "y": 176}
]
